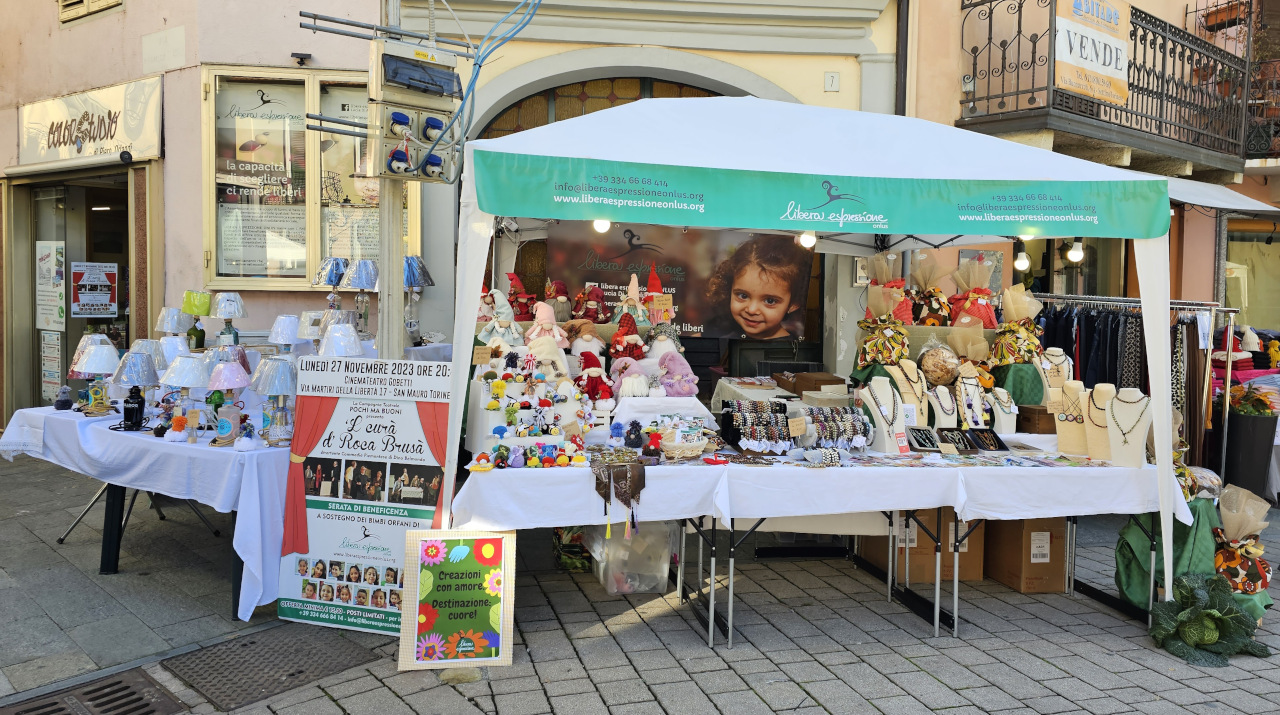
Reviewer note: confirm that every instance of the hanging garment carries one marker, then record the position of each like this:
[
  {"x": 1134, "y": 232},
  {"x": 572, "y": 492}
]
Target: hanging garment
[
  {"x": 1193, "y": 417},
  {"x": 1131, "y": 354},
  {"x": 1179, "y": 369}
]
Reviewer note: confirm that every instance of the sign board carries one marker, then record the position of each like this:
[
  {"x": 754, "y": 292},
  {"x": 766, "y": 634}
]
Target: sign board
[
  {"x": 460, "y": 584},
  {"x": 94, "y": 290},
  {"x": 123, "y": 117},
  {"x": 51, "y": 297},
  {"x": 1091, "y": 49},
  {"x": 50, "y": 364},
  {"x": 373, "y": 433}
]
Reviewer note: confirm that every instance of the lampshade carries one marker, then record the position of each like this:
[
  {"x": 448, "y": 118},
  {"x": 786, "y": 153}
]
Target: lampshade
[
  {"x": 341, "y": 341},
  {"x": 227, "y": 353},
  {"x": 228, "y": 376},
  {"x": 415, "y": 273},
  {"x": 284, "y": 331},
  {"x": 275, "y": 376},
  {"x": 196, "y": 302},
  {"x": 361, "y": 276},
  {"x": 98, "y": 360},
  {"x": 336, "y": 317},
  {"x": 173, "y": 346},
  {"x": 86, "y": 342},
  {"x": 229, "y": 306},
  {"x": 136, "y": 369},
  {"x": 152, "y": 348},
  {"x": 173, "y": 320},
  {"x": 331, "y": 271},
  {"x": 309, "y": 325},
  {"x": 186, "y": 371}
]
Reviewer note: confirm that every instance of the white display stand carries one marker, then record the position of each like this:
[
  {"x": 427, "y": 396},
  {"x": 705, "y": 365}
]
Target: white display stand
[
  {"x": 970, "y": 398},
  {"x": 1054, "y": 367},
  {"x": 648, "y": 409},
  {"x": 1096, "y": 428},
  {"x": 1071, "y": 437},
  {"x": 1004, "y": 412},
  {"x": 878, "y": 395},
  {"x": 943, "y": 403},
  {"x": 911, "y": 388},
  {"x": 1128, "y": 421}
]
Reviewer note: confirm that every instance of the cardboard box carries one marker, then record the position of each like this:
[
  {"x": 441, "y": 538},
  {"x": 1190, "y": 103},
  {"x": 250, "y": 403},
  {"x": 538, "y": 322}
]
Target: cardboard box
[
  {"x": 819, "y": 398},
  {"x": 875, "y": 549},
  {"x": 806, "y": 381},
  {"x": 1028, "y": 555},
  {"x": 1036, "y": 419}
]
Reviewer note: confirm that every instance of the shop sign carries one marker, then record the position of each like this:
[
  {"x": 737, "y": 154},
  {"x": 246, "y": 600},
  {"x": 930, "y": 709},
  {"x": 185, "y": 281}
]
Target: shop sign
[
  {"x": 110, "y": 120},
  {"x": 1091, "y": 49},
  {"x": 372, "y": 435},
  {"x": 459, "y": 590},
  {"x": 51, "y": 297},
  {"x": 94, "y": 290}
]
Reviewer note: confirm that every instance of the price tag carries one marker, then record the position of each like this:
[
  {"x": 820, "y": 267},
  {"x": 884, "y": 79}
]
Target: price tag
[
  {"x": 982, "y": 301},
  {"x": 947, "y": 448},
  {"x": 884, "y": 410},
  {"x": 888, "y": 333},
  {"x": 796, "y": 426},
  {"x": 909, "y": 415},
  {"x": 1015, "y": 409},
  {"x": 481, "y": 354},
  {"x": 1045, "y": 364},
  {"x": 1054, "y": 406},
  {"x": 968, "y": 370},
  {"x": 951, "y": 540},
  {"x": 571, "y": 429},
  {"x": 1040, "y": 541},
  {"x": 903, "y": 447}
]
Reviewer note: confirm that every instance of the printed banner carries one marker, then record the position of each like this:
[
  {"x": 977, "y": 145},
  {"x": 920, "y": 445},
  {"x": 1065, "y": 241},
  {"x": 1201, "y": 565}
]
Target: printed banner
[
  {"x": 1091, "y": 49},
  {"x": 50, "y": 364},
  {"x": 372, "y": 472},
  {"x": 461, "y": 585},
  {"x": 123, "y": 117},
  {"x": 93, "y": 290},
  {"x": 51, "y": 296},
  {"x": 721, "y": 283}
]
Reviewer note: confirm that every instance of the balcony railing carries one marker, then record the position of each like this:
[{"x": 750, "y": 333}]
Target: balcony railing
[
  {"x": 1263, "y": 141},
  {"x": 1181, "y": 87}
]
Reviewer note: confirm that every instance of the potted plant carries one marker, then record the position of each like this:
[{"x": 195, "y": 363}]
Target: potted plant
[
  {"x": 1225, "y": 15},
  {"x": 1251, "y": 434}
]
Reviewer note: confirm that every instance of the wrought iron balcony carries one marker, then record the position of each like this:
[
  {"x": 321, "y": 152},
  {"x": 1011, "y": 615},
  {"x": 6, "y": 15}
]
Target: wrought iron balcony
[
  {"x": 1263, "y": 141},
  {"x": 1187, "y": 97}
]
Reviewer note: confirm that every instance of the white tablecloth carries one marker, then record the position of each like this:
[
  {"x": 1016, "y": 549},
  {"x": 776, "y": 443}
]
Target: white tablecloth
[
  {"x": 648, "y": 409},
  {"x": 249, "y": 483},
  {"x": 727, "y": 389}
]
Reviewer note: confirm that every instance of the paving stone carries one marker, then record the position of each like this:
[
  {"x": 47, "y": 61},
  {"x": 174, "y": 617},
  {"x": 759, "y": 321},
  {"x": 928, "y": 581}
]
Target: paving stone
[
  {"x": 806, "y": 672},
  {"x": 624, "y": 691},
  {"x": 1011, "y": 681},
  {"x": 719, "y": 681},
  {"x": 901, "y": 705},
  {"x": 554, "y": 670},
  {"x": 749, "y": 667},
  {"x": 741, "y": 702},
  {"x": 116, "y": 640},
  {"x": 569, "y": 687},
  {"x": 1104, "y": 706},
  {"x": 652, "y": 659},
  {"x": 646, "y": 708},
  {"x": 1131, "y": 695},
  {"x": 682, "y": 699},
  {"x": 1073, "y": 689},
  {"x": 32, "y": 638},
  {"x": 44, "y": 670},
  {"x": 869, "y": 683},
  {"x": 551, "y": 645},
  {"x": 703, "y": 665},
  {"x": 531, "y": 703},
  {"x": 381, "y": 701},
  {"x": 842, "y": 657},
  {"x": 515, "y": 685},
  {"x": 1050, "y": 704},
  {"x": 664, "y": 675},
  {"x": 1161, "y": 707},
  {"x": 614, "y": 674},
  {"x": 589, "y": 704},
  {"x": 990, "y": 698},
  {"x": 838, "y": 697},
  {"x": 600, "y": 653},
  {"x": 284, "y": 700},
  {"x": 794, "y": 655},
  {"x": 340, "y": 691},
  {"x": 888, "y": 663},
  {"x": 317, "y": 706},
  {"x": 925, "y": 688}
]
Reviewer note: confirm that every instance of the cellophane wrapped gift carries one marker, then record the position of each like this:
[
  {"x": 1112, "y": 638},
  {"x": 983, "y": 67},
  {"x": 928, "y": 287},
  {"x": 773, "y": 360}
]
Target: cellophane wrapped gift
[
  {"x": 929, "y": 304},
  {"x": 893, "y": 290},
  {"x": 972, "y": 348},
  {"x": 1239, "y": 556},
  {"x": 973, "y": 297},
  {"x": 884, "y": 339},
  {"x": 1018, "y": 340}
]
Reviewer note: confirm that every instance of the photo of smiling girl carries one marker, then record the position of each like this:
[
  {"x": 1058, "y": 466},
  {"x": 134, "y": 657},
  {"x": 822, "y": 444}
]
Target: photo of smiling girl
[
  {"x": 353, "y": 574},
  {"x": 371, "y": 576},
  {"x": 759, "y": 291}
]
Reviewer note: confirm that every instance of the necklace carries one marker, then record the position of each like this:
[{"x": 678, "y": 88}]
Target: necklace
[
  {"x": 916, "y": 386},
  {"x": 986, "y": 440},
  {"x": 1067, "y": 414},
  {"x": 893, "y": 418},
  {"x": 972, "y": 406},
  {"x": 955, "y": 437},
  {"x": 1094, "y": 405},
  {"x": 1006, "y": 405},
  {"x": 1057, "y": 363},
  {"x": 939, "y": 392},
  {"x": 1125, "y": 432},
  {"x": 1130, "y": 402},
  {"x": 922, "y": 437}
]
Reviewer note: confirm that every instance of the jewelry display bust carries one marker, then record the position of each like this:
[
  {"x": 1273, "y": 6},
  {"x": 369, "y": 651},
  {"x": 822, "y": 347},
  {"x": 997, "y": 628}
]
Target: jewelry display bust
[
  {"x": 1096, "y": 420},
  {"x": 1054, "y": 367},
  {"x": 969, "y": 396},
  {"x": 887, "y": 413},
  {"x": 942, "y": 403},
  {"x": 1128, "y": 421},
  {"x": 1070, "y": 420},
  {"x": 911, "y": 388},
  {"x": 1004, "y": 412}
]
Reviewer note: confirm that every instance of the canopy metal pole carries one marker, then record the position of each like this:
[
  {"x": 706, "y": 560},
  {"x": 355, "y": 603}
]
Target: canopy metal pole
[
  {"x": 1229, "y": 339},
  {"x": 391, "y": 333}
]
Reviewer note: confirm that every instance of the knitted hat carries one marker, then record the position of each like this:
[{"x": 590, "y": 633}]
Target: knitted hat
[
  {"x": 655, "y": 285},
  {"x": 626, "y": 326},
  {"x": 580, "y": 328},
  {"x": 517, "y": 287},
  {"x": 501, "y": 307},
  {"x": 543, "y": 313},
  {"x": 633, "y": 289},
  {"x": 667, "y": 330},
  {"x": 595, "y": 295},
  {"x": 590, "y": 361},
  {"x": 620, "y": 366},
  {"x": 557, "y": 289},
  {"x": 675, "y": 364}
]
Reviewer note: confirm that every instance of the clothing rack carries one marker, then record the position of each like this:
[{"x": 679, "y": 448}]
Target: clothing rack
[{"x": 1182, "y": 305}]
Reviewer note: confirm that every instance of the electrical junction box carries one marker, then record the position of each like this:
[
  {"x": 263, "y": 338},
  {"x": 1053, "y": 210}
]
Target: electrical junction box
[{"x": 414, "y": 92}]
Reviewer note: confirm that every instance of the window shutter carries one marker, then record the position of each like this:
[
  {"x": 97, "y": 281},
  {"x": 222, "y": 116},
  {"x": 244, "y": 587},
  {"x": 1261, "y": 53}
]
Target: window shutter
[
  {"x": 96, "y": 5},
  {"x": 71, "y": 9}
]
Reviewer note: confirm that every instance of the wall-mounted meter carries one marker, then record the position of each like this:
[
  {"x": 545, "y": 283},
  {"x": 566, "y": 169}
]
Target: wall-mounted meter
[{"x": 414, "y": 92}]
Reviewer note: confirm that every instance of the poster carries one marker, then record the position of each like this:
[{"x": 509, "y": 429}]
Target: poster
[
  {"x": 262, "y": 241},
  {"x": 460, "y": 587},
  {"x": 722, "y": 283},
  {"x": 1091, "y": 49},
  {"x": 50, "y": 364},
  {"x": 51, "y": 297},
  {"x": 373, "y": 436},
  {"x": 94, "y": 290}
]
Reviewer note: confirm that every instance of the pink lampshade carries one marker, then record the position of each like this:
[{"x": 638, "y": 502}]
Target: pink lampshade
[{"x": 228, "y": 376}]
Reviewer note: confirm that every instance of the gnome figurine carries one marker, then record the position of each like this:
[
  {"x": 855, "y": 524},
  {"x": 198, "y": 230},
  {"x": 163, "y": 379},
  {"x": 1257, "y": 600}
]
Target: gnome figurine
[
  {"x": 626, "y": 341},
  {"x": 677, "y": 377},
  {"x": 591, "y": 306},
  {"x": 549, "y": 359},
  {"x": 503, "y": 324},
  {"x": 485, "y": 314},
  {"x": 545, "y": 326},
  {"x": 593, "y": 377},
  {"x": 630, "y": 305},
  {"x": 634, "y": 382},
  {"x": 652, "y": 290},
  {"x": 522, "y": 302},
  {"x": 605, "y": 403},
  {"x": 582, "y": 339},
  {"x": 558, "y": 298},
  {"x": 64, "y": 399}
]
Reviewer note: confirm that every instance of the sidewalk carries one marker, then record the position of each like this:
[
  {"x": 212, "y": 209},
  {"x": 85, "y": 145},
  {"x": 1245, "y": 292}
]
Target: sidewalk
[{"x": 812, "y": 636}]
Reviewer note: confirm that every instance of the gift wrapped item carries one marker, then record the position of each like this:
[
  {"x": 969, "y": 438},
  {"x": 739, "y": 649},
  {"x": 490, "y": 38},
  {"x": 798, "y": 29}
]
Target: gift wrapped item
[
  {"x": 890, "y": 290},
  {"x": 972, "y": 302},
  {"x": 1239, "y": 556},
  {"x": 1019, "y": 338},
  {"x": 929, "y": 304},
  {"x": 884, "y": 341}
]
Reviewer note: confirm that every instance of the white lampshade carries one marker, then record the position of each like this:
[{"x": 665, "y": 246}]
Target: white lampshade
[
  {"x": 229, "y": 306},
  {"x": 341, "y": 341},
  {"x": 136, "y": 369},
  {"x": 226, "y": 353},
  {"x": 86, "y": 342},
  {"x": 228, "y": 376},
  {"x": 173, "y": 320},
  {"x": 98, "y": 360},
  {"x": 173, "y": 346},
  {"x": 336, "y": 317},
  {"x": 152, "y": 348},
  {"x": 275, "y": 376},
  {"x": 284, "y": 331},
  {"x": 309, "y": 325},
  {"x": 186, "y": 371}
]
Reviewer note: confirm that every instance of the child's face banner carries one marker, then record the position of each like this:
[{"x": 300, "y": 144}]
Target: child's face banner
[{"x": 722, "y": 283}]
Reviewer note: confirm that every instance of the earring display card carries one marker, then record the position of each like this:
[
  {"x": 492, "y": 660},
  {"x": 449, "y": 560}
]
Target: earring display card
[
  {"x": 956, "y": 438},
  {"x": 986, "y": 440},
  {"x": 922, "y": 439}
]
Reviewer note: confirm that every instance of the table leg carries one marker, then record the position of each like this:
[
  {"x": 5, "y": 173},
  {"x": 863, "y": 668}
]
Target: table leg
[
  {"x": 680, "y": 563},
  {"x": 937, "y": 577},
  {"x": 237, "y": 573},
  {"x": 892, "y": 571},
  {"x": 732, "y": 549},
  {"x": 112, "y": 530},
  {"x": 955, "y": 574},
  {"x": 711, "y": 602}
]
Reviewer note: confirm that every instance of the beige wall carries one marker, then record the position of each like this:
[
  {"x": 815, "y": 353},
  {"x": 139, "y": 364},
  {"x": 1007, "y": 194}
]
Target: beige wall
[{"x": 1198, "y": 255}]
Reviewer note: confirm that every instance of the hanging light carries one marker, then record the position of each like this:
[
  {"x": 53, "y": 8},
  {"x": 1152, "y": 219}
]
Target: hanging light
[
  {"x": 602, "y": 225},
  {"x": 808, "y": 239},
  {"x": 1021, "y": 261},
  {"x": 1076, "y": 254}
]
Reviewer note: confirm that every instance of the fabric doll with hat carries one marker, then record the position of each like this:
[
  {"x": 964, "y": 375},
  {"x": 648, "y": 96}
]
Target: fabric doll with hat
[
  {"x": 605, "y": 402},
  {"x": 522, "y": 302},
  {"x": 503, "y": 324},
  {"x": 620, "y": 366},
  {"x": 558, "y": 298},
  {"x": 591, "y": 306},
  {"x": 630, "y": 305},
  {"x": 653, "y": 290},
  {"x": 626, "y": 341},
  {"x": 582, "y": 339},
  {"x": 633, "y": 381},
  {"x": 485, "y": 313},
  {"x": 545, "y": 326},
  {"x": 663, "y": 338},
  {"x": 549, "y": 359},
  {"x": 677, "y": 377},
  {"x": 593, "y": 377}
]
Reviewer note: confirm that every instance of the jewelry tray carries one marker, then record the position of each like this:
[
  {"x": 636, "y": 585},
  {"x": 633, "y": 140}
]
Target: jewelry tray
[
  {"x": 942, "y": 433},
  {"x": 916, "y": 444},
  {"x": 971, "y": 435}
]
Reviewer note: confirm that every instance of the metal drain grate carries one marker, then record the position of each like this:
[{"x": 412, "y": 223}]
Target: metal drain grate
[
  {"x": 129, "y": 693},
  {"x": 255, "y": 667}
]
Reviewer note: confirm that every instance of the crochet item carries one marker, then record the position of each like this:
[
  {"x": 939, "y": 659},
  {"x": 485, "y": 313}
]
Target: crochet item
[
  {"x": 523, "y": 304},
  {"x": 558, "y": 299},
  {"x": 653, "y": 289},
  {"x": 660, "y": 333},
  {"x": 593, "y": 377},
  {"x": 630, "y": 305},
  {"x": 590, "y": 306},
  {"x": 502, "y": 313}
]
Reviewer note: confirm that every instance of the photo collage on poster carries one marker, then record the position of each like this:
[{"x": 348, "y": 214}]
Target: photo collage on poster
[{"x": 351, "y": 584}]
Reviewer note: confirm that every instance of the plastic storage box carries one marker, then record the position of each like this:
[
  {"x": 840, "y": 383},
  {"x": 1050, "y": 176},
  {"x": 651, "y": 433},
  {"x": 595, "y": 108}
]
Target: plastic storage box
[{"x": 636, "y": 565}]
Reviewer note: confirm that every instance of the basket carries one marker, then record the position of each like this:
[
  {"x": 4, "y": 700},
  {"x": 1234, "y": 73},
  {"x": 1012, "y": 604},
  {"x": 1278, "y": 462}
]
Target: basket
[{"x": 681, "y": 450}]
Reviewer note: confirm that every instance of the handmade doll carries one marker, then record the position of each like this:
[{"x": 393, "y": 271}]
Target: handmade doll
[
  {"x": 548, "y": 359},
  {"x": 626, "y": 341},
  {"x": 523, "y": 302},
  {"x": 616, "y": 431},
  {"x": 591, "y": 306},
  {"x": 653, "y": 290},
  {"x": 654, "y": 446},
  {"x": 582, "y": 339},
  {"x": 620, "y": 366},
  {"x": 677, "y": 377},
  {"x": 545, "y": 325},
  {"x": 662, "y": 338},
  {"x": 630, "y": 305},
  {"x": 558, "y": 298},
  {"x": 485, "y": 314},
  {"x": 605, "y": 402},
  {"x": 634, "y": 382},
  {"x": 655, "y": 387},
  {"x": 503, "y": 324},
  {"x": 593, "y": 377},
  {"x": 634, "y": 437}
]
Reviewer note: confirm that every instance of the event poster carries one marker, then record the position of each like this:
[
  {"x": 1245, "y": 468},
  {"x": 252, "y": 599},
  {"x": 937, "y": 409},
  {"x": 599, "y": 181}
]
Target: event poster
[
  {"x": 51, "y": 266},
  {"x": 459, "y": 586},
  {"x": 372, "y": 438},
  {"x": 722, "y": 283},
  {"x": 94, "y": 291}
]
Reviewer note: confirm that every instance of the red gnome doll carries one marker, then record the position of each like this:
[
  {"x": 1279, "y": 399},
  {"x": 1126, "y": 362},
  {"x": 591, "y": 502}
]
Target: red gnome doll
[
  {"x": 594, "y": 380},
  {"x": 521, "y": 302},
  {"x": 592, "y": 306},
  {"x": 626, "y": 341}
]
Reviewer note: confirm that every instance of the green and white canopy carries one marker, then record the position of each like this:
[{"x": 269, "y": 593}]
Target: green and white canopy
[{"x": 754, "y": 164}]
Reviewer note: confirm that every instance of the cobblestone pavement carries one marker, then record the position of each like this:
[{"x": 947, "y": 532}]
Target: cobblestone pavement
[{"x": 812, "y": 636}]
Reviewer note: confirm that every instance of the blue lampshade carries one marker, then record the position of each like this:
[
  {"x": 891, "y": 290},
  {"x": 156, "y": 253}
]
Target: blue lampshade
[
  {"x": 363, "y": 275},
  {"x": 415, "y": 273},
  {"x": 331, "y": 271}
]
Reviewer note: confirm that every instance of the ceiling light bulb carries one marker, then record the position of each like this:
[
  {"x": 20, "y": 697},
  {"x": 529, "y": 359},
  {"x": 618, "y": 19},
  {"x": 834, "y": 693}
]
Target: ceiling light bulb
[
  {"x": 1022, "y": 262},
  {"x": 808, "y": 239},
  {"x": 601, "y": 225},
  {"x": 1076, "y": 254}
]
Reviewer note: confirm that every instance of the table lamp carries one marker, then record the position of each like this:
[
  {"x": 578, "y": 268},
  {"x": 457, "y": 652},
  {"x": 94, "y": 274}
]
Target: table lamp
[
  {"x": 363, "y": 276},
  {"x": 229, "y": 306},
  {"x": 175, "y": 323},
  {"x": 341, "y": 341},
  {"x": 196, "y": 303},
  {"x": 86, "y": 341},
  {"x": 331, "y": 271},
  {"x": 284, "y": 332},
  {"x": 98, "y": 361},
  {"x": 415, "y": 278},
  {"x": 309, "y": 327},
  {"x": 137, "y": 371},
  {"x": 227, "y": 377},
  {"x": 226, "y": 353},
  {"x": 153, "y": 348},
  {"x": 331, "y": 318},
  {"x": 278, "y": 379},
  {"x": 186, "y": 372}
]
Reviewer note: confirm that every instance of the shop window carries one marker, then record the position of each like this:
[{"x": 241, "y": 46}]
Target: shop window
[
  {"x": 74, "y": 9},
  {"x": 1101, "y": 272},
  {"x": 1251, "y": 272},
  {"x": 579, "y": 98}
]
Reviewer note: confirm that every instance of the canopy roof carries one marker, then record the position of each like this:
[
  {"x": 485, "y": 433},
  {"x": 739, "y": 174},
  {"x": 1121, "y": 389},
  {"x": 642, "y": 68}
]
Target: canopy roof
[{"x": 762, "y": 164}]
